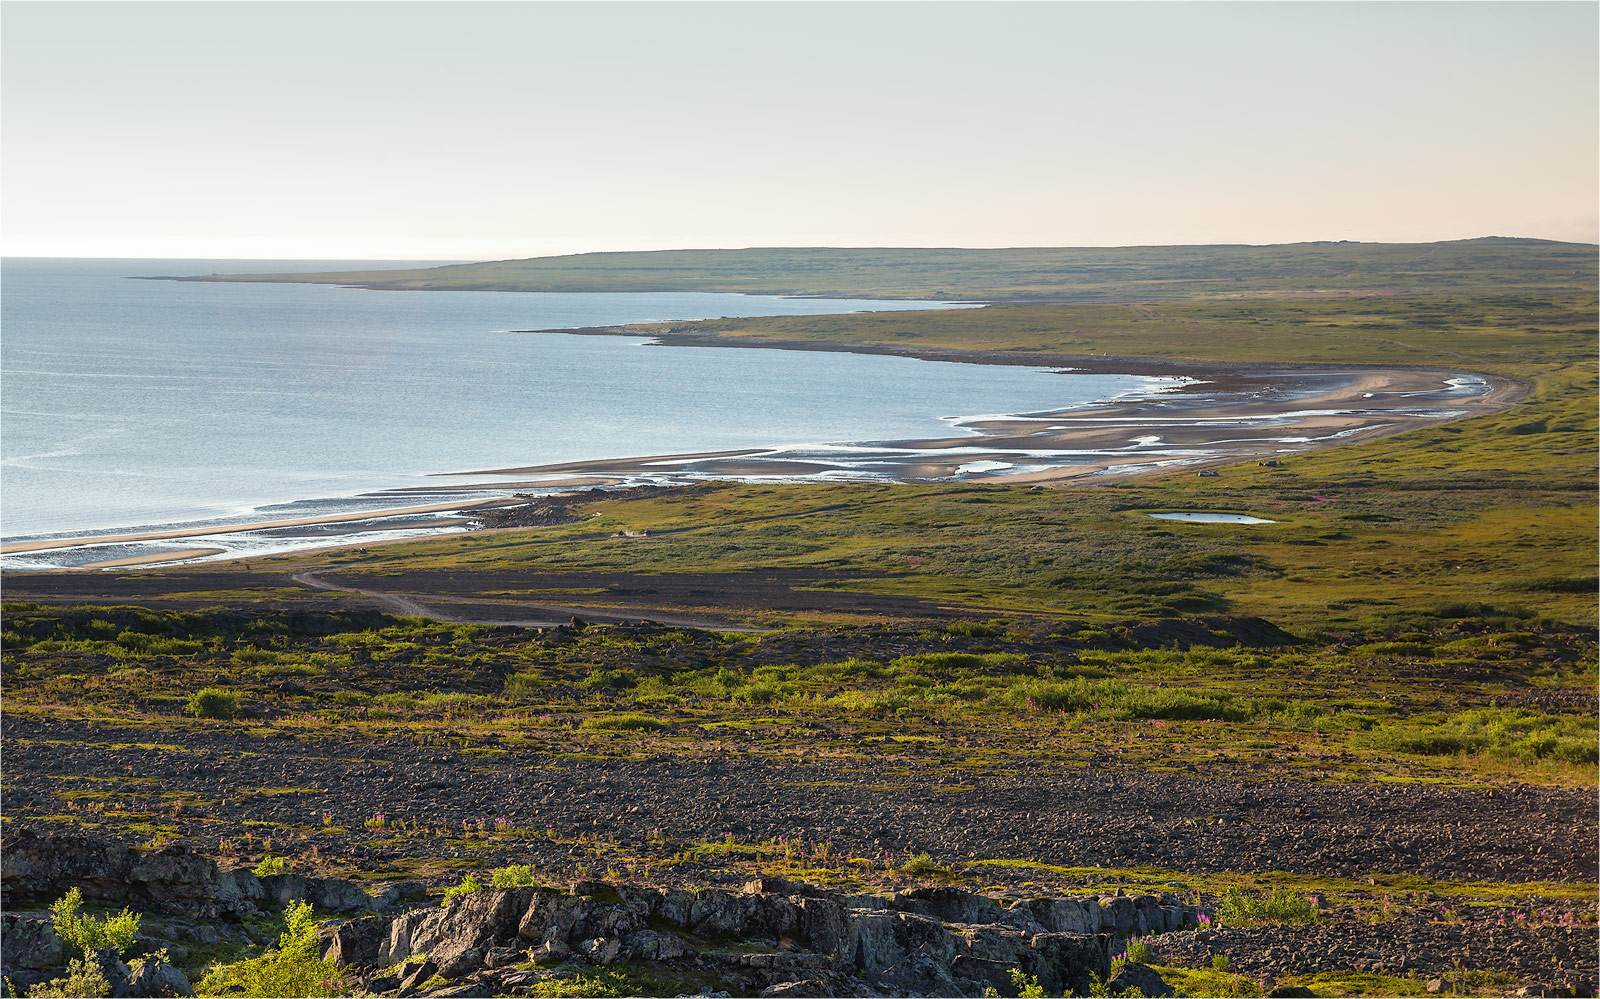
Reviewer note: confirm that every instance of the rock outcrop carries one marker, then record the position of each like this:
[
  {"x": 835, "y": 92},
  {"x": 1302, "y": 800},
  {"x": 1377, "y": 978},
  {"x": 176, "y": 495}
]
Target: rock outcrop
[
  {"x": 790, "y": 939},
  {"x": 172, "y": 880}
]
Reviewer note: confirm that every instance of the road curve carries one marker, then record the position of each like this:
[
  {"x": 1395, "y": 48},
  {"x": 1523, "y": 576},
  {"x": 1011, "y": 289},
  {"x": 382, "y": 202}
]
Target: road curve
[{"x": 546, "y": 616}]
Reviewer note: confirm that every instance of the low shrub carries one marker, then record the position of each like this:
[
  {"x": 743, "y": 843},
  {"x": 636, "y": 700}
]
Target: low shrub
[
  {"x": 89, "y": 933},
  {"x": 217, "y": 703},
  {"x": 921, "y": 865},
  {"x": 1140, "y": 952},
  {"x": 269, "y": 866},
  {"x": 292, "y": 970},
  {"x": 1240, "y": 908},
  {"x": 629, "y": 722},
  {"x": 514, "y": 876},
  {"x": 468, "y": 885},
  {"x": 84, "y": 980},
  {"x": 1518, "y": 733}
]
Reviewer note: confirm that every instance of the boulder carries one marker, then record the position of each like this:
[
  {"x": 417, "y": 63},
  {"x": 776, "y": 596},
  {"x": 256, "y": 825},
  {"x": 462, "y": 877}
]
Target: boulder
[
  {"x": 356, "y": 942},
  {"x": 115, "y": 971},
  {"x": 1141, "y": 977},
  {"x": 48, "y": 865},
  {"x": 30, "y": 945},
  {"x": 1064, "y": 962},
  {"x": 158, "y": 978},
  {"x": 824, "y": 927},
  {"x": 400, "y": 895},
  {"x": 1118, "y": 915},
  {"x": 948, "y": 905}
]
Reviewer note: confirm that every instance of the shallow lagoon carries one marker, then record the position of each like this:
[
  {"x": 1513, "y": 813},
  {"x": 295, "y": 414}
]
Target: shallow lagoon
[{"x": 1197, "y": 517}]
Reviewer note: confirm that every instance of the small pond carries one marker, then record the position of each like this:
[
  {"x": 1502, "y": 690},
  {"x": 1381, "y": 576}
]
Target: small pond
[{"x": 1212, "y": 518}]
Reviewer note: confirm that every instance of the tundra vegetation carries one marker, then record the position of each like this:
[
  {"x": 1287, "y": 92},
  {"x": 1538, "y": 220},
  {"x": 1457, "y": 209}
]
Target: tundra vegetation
[{"x": 1374, "y": 717}]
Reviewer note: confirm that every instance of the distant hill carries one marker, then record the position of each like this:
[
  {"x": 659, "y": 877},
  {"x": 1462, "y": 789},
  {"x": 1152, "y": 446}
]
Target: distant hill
[{"x": 1044, "y": 274}]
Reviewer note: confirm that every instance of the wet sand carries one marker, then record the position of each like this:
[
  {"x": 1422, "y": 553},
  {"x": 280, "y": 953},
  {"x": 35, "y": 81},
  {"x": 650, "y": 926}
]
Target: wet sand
[
  {"x": 1258, "y": 415},
  {"x": 155, "y": 559},
  {"x": 200, "y": 532}
]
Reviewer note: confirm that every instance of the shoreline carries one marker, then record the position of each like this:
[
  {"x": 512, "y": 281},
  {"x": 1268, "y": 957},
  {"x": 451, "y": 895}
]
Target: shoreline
[
  {"x": 1272, "y": 413},
  {"x": 26, "y": 547},
  {"x": 1226, "y": 413}
]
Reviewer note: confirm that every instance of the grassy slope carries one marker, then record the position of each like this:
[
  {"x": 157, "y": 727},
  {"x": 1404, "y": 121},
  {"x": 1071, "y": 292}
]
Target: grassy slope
[
  {"x": 1508, "y": 498},
  {"x": 1111, "y": 273}
]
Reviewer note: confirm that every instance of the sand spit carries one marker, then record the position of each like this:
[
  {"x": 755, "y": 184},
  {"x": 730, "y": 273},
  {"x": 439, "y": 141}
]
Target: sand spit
[{"x": 200, "y": 532}]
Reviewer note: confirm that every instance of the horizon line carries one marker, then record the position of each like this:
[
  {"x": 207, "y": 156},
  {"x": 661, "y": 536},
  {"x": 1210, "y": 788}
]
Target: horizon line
[{"x": 440, "y": 261}]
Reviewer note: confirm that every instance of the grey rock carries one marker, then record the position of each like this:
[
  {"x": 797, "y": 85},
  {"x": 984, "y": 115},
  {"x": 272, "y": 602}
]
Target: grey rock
[
  {"x": 499, "y": 957},
  {"x": 1141, "y": 977},
  {"x": 30, "y": 944},
  {"x": 949, "y": 905},
  {"x": 1064, "y": 962},
  {"x": 807, "y": 988},
  {"x": 400, "y": 895},
  {"x": 158, "y": 978},
  {"x": 112, "y": 966},
  {"x": 356, "y": 942},
  {"x": 457, "y": 958}
]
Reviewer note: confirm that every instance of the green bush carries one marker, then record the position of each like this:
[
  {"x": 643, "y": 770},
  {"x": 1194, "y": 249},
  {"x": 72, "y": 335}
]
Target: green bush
[
  {"x": 921, "y": 865},
  {"x": 1140, "y": 952},
  {"x": 514, "y": 876},
  {"x": 213, "y": 702},
  {"x": 762, "y": 693},
  {"x": 1280, "y": 905},
  {"x": 84, "y": 980},
  {"x": 468, "y": 885},
  {"x": 89, "y": 933},
  {"x": 629, "y": 722},
  {"x": 614, "y": 679},
  {"x": 269, "y": 866},
  {"x": 1510, "y": 732},
  {"x": 292, "y": 970}
]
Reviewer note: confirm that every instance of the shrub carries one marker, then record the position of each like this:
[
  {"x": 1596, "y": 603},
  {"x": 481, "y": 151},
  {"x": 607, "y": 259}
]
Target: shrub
[
  {"x": 468, "y": 885},
  {"x": 1219, "y": 962},
  {"x": 269, "y": 865},
  {"x": 90, "y": 933},
  {"x": 213, "y": 702},
  {"x": 614, "y": 679},
  {"x": 629, "y": 722},
  {"x": 921, "y": 865},
  {"x": 761, "y": 693},
  {"x": 514, "y": 876},
  {"x": 1140, "y": 952},
  {"x": 292, "y": 970},
  {"x": 1277, "y": 906},
  {"x": 84, "y": 980},
  {"x": 1027, "y": 986},
  {"x": 1512, "y": 732}
]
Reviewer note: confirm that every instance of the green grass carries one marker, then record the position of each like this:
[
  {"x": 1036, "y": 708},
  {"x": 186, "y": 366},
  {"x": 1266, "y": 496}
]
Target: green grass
[{"x": 1495, "y": 266}]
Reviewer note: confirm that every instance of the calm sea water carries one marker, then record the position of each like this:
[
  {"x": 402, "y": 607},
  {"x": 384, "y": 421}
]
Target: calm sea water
[{"x": 132, "y": 404}]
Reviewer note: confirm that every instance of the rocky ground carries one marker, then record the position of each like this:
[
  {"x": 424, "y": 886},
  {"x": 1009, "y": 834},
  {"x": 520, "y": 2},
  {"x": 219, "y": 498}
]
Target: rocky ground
[
  {"x": 392, "y": 812},
  {"x": 1176, "y": 821}
]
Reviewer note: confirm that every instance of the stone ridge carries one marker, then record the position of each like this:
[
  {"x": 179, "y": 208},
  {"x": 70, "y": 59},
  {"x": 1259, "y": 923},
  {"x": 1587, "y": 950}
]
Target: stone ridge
[{"x": 775, "y": 936}]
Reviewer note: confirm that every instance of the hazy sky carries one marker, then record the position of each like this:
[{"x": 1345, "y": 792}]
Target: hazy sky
[{"x": 475, "y": 131}]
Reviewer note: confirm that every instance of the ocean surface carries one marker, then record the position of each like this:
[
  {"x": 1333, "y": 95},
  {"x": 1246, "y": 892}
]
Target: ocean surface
[{"x": 129, "y": 404}]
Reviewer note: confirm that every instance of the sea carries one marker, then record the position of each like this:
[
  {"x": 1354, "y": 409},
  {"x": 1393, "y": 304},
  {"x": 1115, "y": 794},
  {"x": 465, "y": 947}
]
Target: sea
[{"x": 132, "y": 405}]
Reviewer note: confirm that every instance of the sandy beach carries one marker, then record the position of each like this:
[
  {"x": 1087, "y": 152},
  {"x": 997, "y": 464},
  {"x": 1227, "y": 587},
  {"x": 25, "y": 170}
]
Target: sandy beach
[{"x": 200, "y": 532}]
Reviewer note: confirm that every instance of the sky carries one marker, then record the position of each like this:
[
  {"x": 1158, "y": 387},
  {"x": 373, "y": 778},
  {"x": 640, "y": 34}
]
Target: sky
[{"x": 466, "y": 131}]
